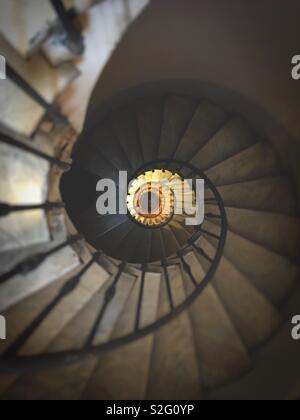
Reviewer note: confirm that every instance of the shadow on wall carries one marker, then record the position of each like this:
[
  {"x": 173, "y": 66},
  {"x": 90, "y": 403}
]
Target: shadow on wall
[{"x": 245, "y": 47}]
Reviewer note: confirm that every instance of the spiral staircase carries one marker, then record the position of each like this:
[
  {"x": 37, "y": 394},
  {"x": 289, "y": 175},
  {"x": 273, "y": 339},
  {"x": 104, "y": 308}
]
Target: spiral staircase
[{"x": 105, "y": 307}]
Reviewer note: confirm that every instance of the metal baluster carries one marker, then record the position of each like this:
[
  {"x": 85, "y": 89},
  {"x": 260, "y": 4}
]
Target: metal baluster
[
  {"x": 187, "y": 269},
  {"x": 205, "y": 232},
  {"x": 28, "y": 149},
  {"x": 200, "y": 251},
  {"x": 140, "y": 301},
  {"x": 7, "y": 209},
  {"x": 33, "y": 262},
  {"x": 30, "y": 91},
  {"x": 168, "y": 284},
  {"x": 67, "y": 289},
  {"x": 109, "y": 295}
]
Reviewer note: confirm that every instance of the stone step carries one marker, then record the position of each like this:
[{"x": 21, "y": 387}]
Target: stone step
[
  {"x": 21, "y": 316},
  {"x": 232, "y": 139},
  {"x": 274, "y": 275},
  {"x": 23, "y": 286},
  {"x": 65, "y": 382},
  {"x": 222, "y": 356},
  {"x": 256, "y": 162},
  {"x": 178, "y": 114},
  {"x": 207, "y": 120},
  {"x": 116, "y": 375},
  {"x": 125, "y": 128},
  {"x": 276, "y": 232},
  {"x": 149, "y": 113},
  {"x": 174, "y": 371},
  {"x": 255, "y": 318},
  {"x": 269, "y": 194}
]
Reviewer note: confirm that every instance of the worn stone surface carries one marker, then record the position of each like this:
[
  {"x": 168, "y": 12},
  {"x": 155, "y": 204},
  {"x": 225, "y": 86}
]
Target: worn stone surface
[
  {"x": 233, "y": 138},
  {"x": 222, "y": 356},
  {"x": 270, "y": 194},
  {"x": 174, "y": 370},
  {"x": 123, "y": 373},
  {"x": 276, "y": 232},
  {"x": 252, "y": 313},
  {"x": 256, "y": 162},
  {"x": 271, "y": 273}
]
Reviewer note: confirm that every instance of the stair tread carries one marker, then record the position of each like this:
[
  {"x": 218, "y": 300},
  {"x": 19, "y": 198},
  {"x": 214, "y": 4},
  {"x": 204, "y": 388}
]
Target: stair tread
[
  {"x": 22, "y": 286},
  {"x": 142, "y": 253},
  {"x": 276, "y": 232},
  {"x": 207, "y": 120},
  {"x": 106, "y": 141},
  {"x": 67, "y": 382},
  {"x": 174, "y": 374},
  {"x": 150, "y": 117},
  {"x": 256, "y": 162},
  {"x": 178, "y": 113},
  {"x": 114, "y": 309},
  {"x": 95, "y": 226},
  {"x": 116, "y": 375},
  {"x": 111, "y": 241},
  {"x": 222, "y": 355},
  {"x": 17, "y": 110},
  {"x": 91, "y": 282},
  {"x": 181, "y": 234},
  {"x": 274, "y": 275},
  {"x": 233, "y": 138},
  {"x": 90, "y": 159},
  {"x": 125, "y": 127},
  {"x": 270, "y": 194},
  {"x": 253, "y": 314},
  {"x": 171, "y": 245},
  {"x": 78, "y": 191},
  {"x": 22, "y": 315},
  {"x": 156, "y": 246},
  {"x": 130, "y": 248}
]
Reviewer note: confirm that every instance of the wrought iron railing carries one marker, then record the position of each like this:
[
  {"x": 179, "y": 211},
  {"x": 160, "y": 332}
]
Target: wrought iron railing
[
  {"x": 74, "y": 42},
  {"x": 50, "y": 109},
  {"x": 25, "y": 147},
  {"x": 12, "y": 362}
]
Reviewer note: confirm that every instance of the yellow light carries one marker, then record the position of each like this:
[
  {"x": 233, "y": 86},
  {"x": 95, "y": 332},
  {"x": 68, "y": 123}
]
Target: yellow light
[{"x": 152, "y": 197}]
